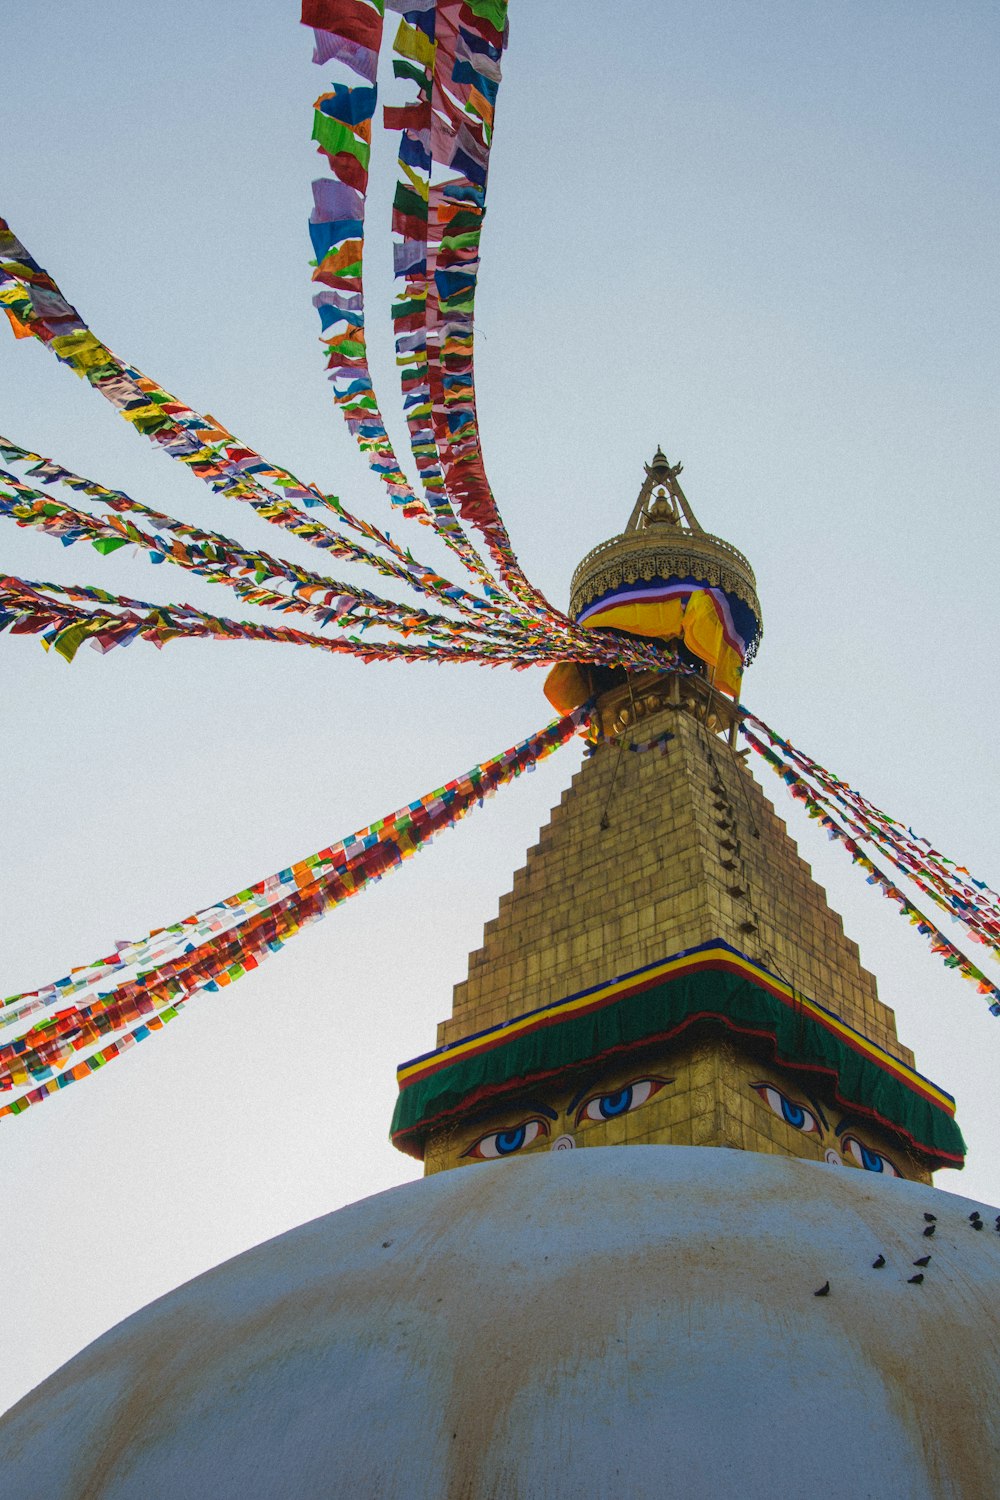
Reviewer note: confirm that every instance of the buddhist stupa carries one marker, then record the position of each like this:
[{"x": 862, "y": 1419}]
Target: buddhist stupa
[{"x": 770, "y": 1298}]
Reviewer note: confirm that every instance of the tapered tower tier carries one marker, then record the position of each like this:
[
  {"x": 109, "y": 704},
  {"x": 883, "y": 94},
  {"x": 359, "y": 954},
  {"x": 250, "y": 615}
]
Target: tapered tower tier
[{"x": 665, "y": 969}]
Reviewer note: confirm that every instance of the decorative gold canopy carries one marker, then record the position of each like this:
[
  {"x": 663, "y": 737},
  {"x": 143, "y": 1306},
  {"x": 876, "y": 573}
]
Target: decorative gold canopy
[{"x": 663, "y": 539}]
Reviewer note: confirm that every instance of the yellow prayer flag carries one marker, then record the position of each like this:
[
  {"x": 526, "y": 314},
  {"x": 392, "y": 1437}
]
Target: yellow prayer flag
[{"x": 412, "y": 43}]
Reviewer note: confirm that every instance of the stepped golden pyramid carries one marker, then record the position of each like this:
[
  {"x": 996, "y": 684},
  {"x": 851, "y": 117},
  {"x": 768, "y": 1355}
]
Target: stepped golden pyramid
[{"x": 665, "y": 923}]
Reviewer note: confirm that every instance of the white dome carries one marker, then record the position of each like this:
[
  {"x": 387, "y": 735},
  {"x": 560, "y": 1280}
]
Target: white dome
[{"x": 627, "y": 1321}]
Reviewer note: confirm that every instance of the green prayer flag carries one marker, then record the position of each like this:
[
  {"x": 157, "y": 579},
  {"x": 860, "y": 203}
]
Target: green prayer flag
[
  {"x": 409, "y": 202},
  {"x": 334, "y": 137},
  {"x": 463, "y": 301},
  {"x": 494, "y": 11},
  {"x": 465, "y": 219},
  {"x": 464, "y": 241},
  {"x": 350, "y": 347},
  {"x": 402, "y": 68}
]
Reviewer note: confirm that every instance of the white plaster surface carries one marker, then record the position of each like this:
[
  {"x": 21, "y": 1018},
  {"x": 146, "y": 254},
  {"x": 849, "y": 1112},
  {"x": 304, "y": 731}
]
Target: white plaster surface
[{"x": 633, "y": 1322}]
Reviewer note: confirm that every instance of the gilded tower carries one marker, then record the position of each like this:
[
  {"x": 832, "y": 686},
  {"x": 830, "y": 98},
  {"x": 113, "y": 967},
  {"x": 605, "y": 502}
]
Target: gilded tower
[{"x": 665, "y": 970}]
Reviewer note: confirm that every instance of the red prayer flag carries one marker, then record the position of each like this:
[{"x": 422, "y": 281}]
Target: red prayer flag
[
  {"x": 346, "y": 168},
  {"x": 408, "y": 226},
  {"x": 407, "y": 116},
  {"x": 351, "y": 19}
]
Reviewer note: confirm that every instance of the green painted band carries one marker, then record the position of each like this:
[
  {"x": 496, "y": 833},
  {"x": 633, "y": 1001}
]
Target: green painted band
[{"x": 660, "y": 1013}]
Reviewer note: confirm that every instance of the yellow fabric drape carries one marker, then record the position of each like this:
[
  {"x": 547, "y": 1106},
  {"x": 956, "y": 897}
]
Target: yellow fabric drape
[
  {"x": 657, "y": 617},
  {"x": 694, "y": 619},
  {"x": 703, "y": 634},
  {"x": 566, "y": 687}
]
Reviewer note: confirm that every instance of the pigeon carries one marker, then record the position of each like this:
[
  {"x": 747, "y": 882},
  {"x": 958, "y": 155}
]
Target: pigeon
[
  {"x": 923, "y": 1261},
  {"x": 929, "y": 1230},
  {"x": 824, "y": 1290},
  {"x": 977, "y": 1223},
  {"x": 879, "y": 1263},
  {"x": 974, "y": 1216},
  {"x": 930, "y": 1218},
  {"x": 916, "y": 1280}
]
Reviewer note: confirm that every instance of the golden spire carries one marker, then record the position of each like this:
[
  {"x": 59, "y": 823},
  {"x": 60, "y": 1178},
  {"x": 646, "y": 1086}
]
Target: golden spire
[
  {"x": 664, "y": 540},
  {"x": 661, "y": 500}
]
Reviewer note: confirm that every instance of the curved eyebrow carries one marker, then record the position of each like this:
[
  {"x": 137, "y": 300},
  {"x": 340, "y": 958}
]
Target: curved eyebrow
[
  {"x": 847, "y": 1120},
  {"x": 518, "y": 1106},
  {"x": 819, "y": 1111},
  {"x": 538, "y": 1108},
  {"x": 581, "y": 1094}
]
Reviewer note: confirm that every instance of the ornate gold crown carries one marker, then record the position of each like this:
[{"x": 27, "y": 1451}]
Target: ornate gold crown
[{"x": 664, "y": 540}]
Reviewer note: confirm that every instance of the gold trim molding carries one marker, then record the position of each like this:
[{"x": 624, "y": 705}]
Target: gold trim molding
[{"x": 637, "y": 556}]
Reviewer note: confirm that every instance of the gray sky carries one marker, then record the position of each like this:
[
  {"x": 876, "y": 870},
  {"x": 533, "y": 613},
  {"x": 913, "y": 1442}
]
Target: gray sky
[{"x": 764, "y": 235}]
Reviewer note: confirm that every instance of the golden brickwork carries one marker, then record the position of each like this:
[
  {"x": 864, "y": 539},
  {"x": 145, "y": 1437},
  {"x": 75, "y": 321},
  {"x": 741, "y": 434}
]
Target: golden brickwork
[
  {"x": 648, "y": 854},
  {"x": 711, "y": 1092}
]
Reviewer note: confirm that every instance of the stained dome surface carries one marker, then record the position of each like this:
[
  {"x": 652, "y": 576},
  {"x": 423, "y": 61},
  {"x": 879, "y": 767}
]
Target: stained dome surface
[{"x": 639, "y": 1322}]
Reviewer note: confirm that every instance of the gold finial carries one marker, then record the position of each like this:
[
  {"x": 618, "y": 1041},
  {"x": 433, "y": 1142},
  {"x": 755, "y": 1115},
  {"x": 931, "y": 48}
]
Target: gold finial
[
  {"x": 662, "y": 462},
  {"x": 661, "y": 500}
]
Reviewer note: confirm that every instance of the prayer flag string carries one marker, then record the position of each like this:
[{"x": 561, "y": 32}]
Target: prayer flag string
[
  {"x": 342, "y": 130},
  {"x": 814, "y": 790},
  {"x": 446, "y": 50},
  {"x": 220, "y": 559},
  {"x": 948, "y": 884},
  {"x": 252, "y": 575},
  {"x": 136, "y": 990},
  {"x": 36, "y": 307},
  {"x": 26, "y": 608}
]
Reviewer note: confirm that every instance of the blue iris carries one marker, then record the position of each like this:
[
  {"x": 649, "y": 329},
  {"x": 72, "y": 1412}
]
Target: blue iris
[
  {"x": 871, "y": 1160},
  {"x": 793, "y": 1113},
  {"x": 612, "y": 1105},
  {"x": 510, "y": 1140}
]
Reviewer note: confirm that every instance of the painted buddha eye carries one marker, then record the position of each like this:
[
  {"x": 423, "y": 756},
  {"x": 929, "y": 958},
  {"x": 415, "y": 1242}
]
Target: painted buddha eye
[
  {"x": 621, "y": 1101},
  {"x": 864, "y": 1156},
  {"x": 786, "y": 1109},
  {"x": 506, "y": 1142}
]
